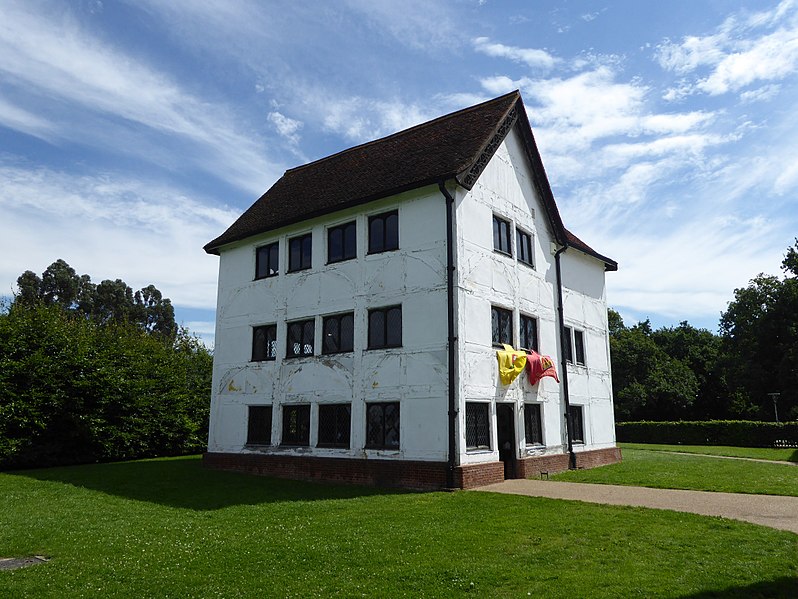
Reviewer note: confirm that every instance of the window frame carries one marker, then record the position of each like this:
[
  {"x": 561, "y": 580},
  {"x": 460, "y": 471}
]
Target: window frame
[
  {"x": 344, "y": 228},
  {"x": 535, "y": 414},
  {"x": 251, "y": 429},
  {"x": 521, "y": 332},
  {"x": 576, "y": 417},
  {"x": 337, "y": 317},
  {"x": 579, "y": 348},
  {"x": 385, "y": 310},
  {"x": 382, "y": 216},
  {"x": 301, "y": 438},
  {"x": 523, "y": 241},
  {"x": 474, "y": 445},
  {"x": 383, "y": 406},
  {"x": 499, "y": 312},
  {"x": 300, "y": 239},
  {"x": 289, "y": 353},
  {"x": 338, "y": 422},
  {"x": 568, "y": 350},
  {"x": 498, "y": 222},
  {"x": 266, "y": 357},
  {"x": 268, "y": 248}
]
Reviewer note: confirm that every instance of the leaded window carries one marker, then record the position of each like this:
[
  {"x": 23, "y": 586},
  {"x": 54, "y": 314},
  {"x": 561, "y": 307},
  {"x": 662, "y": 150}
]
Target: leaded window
[
  {"x": 342, "y": 242},
  {"x": 529, "y": 333},
  {"x": 259, "y": 425},
  {"x": 477, "y": 426},
  {"x": 338, "y": 333},
  {"x": 334, "y": 425},
  {"x": 384, "y": 232},
  {"x": 264, "y": 343},
  {"x": 524, "y": 247},
  {"x": 533, "y": 429},
  {"x": 567, "y": 350},
  {"x": 301, "y": 336},
  {"x": 296, "y": 425},
  {"x": 502, "y": 326},
  {"x": 577, "y": 424},
  {"x": 300, "y": 250},
  {"x": 385, "y": 327},
  {"x": 382, "y": 425}
]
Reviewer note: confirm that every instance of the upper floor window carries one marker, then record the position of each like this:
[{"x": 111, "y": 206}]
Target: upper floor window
[
  {"x": 384, "y": 232},
  {"x": 342, "y": 242},
  {"x": 501, "y": 325},
  {"x": 529, "y": 333},
  {"x": 334, "y": 425},
  {"x": 267, "y": 260},
  {"x": 385, "y": 327},
  {"x": 301, "y": 337},
  {"x": 338, "y": 333},
  {"x": 501, "y": 236},
  {"x": 574, "y": 346},
  {"x": 382, "y": 425},
  {"x": 296, "y": 425},
  {"x": 264, "y": 343},
  {"x": 524, "y": 247},
  {"x": 300, "y": 252},
  {"x": 259, "y": 425}
]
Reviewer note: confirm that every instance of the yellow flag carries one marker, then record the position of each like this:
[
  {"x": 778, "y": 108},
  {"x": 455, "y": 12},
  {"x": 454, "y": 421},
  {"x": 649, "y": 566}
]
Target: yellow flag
[{"x": 511, "y": 363}]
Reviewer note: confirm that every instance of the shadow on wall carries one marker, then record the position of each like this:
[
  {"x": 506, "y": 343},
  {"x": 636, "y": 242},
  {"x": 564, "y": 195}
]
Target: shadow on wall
[
  {"x": 183, "y": 483},
  {"x": 786, "y": 587}
]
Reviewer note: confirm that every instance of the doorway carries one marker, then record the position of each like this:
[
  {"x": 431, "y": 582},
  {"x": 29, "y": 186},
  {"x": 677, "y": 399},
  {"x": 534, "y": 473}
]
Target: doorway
[{"x": 505, "y": 437}]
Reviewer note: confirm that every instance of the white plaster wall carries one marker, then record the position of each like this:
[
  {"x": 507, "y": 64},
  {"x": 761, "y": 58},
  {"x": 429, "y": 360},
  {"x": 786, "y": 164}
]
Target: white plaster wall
[{"x": 414, "y": 374}]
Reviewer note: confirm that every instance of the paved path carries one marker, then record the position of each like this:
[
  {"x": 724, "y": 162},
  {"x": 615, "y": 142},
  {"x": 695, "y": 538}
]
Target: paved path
[
  {"x": 726, "y": 457},
  {"x": 768, "y": 510}
]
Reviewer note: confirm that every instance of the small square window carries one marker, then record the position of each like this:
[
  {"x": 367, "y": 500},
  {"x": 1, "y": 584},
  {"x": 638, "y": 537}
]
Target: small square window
[
  {"x": 577, "y": 424},
  {"x": 524, "y": 247},
  {"x": 334, "y": 425},
  {"x": 267, "y": 260},
  {"x": 338, "y": 333},
  {"x": 385, "y": 327},
  {"x": 300, "y": 251},
  {"x": 529, "y": 333},
  {"x": 502, "y": 326},
  {"x": 296, "y": 425},
  {"x": 533, "y": 429},
  {"x": 301, "y": 337},
  {"x": 579, "y": 347},
  {"x": 501, "y": 236},
  {"x": 342, "y": 242},
  {"x": 382, "y": 425},
  {"x": 384, "y": 232},
  {"x": 259, "y": 425},
  {"x": 264, "y": 343},
  {"x": 477, "y": 426}
]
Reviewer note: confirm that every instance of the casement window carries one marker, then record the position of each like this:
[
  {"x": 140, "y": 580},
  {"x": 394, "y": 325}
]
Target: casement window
[
  {"x": 259, "y": 425},
  {"x": 574, "y": 346},
  {"x": 382, "y": 425},
  {"x": 334, "y": 425},
  {"x": 477, "y": 426},
  {"x": 501, "y": 236},
  {"x": 385, "y": 327},
  {"x": 342, "y": 242},
  {"x": 296, "y": 425},
  {"x": 384, "y": 232},
  {"x": 533, "y": 429},
  {"x": 577, "y": 424},
  {"x": 338, "y": 333},
  {"x": 523, "y": 242},
  {"x": 528, "y": 338},
  {"x": 501, "y": 325},
  {"x": 301, "y": 337},
  {"x": 300, "y": 251},
  {"x": 267, "y": 260},
  {"x": 264, "y": 343}
]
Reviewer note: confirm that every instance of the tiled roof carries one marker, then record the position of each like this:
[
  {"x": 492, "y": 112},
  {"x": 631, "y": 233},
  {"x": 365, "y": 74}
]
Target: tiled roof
[{"x": 454, "y": 146}]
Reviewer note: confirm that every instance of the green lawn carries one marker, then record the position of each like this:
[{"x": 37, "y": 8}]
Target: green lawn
[
  {"x": 667, "y": 470},
  {"x": 760, "y": 453},
  {"x": 168, "y": 528}
]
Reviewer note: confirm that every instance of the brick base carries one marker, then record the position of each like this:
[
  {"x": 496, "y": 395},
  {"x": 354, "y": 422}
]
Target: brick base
[{"x": 395, "y": 473}]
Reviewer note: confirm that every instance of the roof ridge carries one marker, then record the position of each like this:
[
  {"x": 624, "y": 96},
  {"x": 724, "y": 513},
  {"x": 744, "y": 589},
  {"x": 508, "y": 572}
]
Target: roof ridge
[{"x": 460, "y": 112}]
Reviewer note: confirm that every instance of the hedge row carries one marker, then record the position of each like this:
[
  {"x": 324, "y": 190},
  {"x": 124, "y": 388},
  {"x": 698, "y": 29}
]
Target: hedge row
[{"x": 734, "y": 433}]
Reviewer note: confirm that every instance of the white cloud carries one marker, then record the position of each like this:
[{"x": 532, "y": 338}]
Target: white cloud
[
  {"x": 286, "y": 126},
  {"x": 533, "y": 57},
  {"x": 19, "y": 119},
  {"x": 362, "y": 119},
  {"x": 762, "y": 94}
]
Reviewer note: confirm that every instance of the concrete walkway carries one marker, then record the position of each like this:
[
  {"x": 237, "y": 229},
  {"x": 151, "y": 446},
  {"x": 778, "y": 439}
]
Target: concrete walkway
[{"x": 768, "y": 510}]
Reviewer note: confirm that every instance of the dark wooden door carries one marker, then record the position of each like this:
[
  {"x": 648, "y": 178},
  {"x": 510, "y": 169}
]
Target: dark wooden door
[{"x": 505, "y": 436}]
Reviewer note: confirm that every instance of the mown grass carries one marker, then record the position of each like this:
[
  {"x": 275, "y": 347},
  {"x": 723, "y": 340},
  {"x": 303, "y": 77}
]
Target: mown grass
[
  {"x": 759, "y": 453},
  {"x": 667, "y": 470},
  {"x": 168, "y": 528}
]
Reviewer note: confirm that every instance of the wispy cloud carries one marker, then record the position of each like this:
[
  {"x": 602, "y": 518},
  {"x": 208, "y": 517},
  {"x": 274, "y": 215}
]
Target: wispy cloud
[
  {"x": 19, "y": 119},
  {"x": 532, "y": 57}
]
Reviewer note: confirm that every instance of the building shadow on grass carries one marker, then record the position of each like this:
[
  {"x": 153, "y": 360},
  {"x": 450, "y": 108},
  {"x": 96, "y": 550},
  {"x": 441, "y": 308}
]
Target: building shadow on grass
[
  {"x": 184, "y": 483},
  {"x": 785, "y": 587}
]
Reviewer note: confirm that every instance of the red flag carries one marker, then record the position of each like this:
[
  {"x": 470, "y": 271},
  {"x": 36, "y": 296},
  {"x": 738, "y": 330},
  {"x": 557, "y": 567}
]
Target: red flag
[{"x": 540, "y": 366}]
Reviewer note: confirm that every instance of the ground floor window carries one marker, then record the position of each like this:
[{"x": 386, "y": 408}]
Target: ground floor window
[
  {"x": 334, "y": 425},
  {"x": 577, "y": 424},
  {"x": 296, "y": 425},
  {"x": 477, "y": 426},
  {"x": 259, "y": 425},
  {"x": 382, "y": 425},
  {"x": 533, "y": 429}
]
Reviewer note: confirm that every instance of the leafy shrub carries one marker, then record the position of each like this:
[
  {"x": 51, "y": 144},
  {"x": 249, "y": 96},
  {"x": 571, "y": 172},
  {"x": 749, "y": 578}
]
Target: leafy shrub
[{"x": 734, "y": 433}]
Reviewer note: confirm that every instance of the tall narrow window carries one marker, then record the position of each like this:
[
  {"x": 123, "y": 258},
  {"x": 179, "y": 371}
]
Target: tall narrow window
[
  {"x": 301, "y": 336},
  {"x": 259, "y": 425},
  {"x": 296, "y": 425},
  {"x": 300, "y": 252},
  {"x": 501, "y": 236},
  {"x": 384, "y": 232},
  {"x": 338, "y": 333},
  {"x": 577, "y": 424},
  {"x": 579, "y": 347},
  {"x": 529, "y": 333},
  {"x": 334, "y": 424},
  {"x": 502, "y": 326},
  {"x": 524, "y": 247},
  {"x": 569, "y": 354},
  {"x": 477, "y": 426},
  {"x": 342, "y": 242},
  {"x": 385, "y": 327},
  {"x": 264, "y": 343},
  {"x": 533, "y": 429},
  {"x": 382, "y": 425},
  {"x": 267, "y": 260}
]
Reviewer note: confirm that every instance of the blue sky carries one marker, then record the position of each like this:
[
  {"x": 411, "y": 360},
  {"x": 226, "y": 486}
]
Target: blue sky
[{"x": 131, "y": 133}]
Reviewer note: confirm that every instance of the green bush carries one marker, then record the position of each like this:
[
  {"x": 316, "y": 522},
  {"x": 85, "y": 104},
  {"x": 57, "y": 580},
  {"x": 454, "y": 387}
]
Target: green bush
[{"x": 734, "y": 433}]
